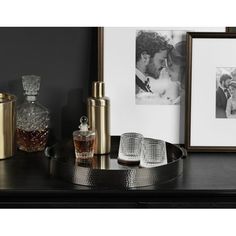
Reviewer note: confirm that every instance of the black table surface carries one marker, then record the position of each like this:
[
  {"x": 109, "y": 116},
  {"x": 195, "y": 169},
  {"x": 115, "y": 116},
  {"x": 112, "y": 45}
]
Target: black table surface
[{"x": 208, "y": 181}]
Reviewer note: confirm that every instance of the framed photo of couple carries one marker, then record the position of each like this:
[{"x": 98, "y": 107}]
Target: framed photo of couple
[
  {"x": 145, "y": 73},
  {"x": 211, "y": 86}
]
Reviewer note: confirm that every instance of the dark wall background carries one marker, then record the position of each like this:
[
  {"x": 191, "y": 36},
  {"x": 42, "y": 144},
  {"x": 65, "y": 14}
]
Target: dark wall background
[{"x": 66, "y": 60}]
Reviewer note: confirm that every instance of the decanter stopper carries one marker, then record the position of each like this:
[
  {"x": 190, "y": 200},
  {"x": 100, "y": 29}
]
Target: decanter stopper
[
  {"x": 31, "y": 86},
  {"x": 83, "y": 124}
]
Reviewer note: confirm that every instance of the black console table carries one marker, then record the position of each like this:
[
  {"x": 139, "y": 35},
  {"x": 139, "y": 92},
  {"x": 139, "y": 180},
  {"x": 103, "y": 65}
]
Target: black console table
[{"x": 208, "y": 181}]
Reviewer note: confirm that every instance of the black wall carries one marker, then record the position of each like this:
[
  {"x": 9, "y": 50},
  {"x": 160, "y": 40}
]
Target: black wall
[{"x": 66, "y": 60}]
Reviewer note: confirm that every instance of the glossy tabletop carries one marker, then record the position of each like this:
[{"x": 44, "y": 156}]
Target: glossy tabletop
[{"x": 208, "y": 180}]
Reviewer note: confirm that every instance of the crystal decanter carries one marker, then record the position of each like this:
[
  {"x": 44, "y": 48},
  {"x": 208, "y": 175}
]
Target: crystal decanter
[{"x": 32, "y": 118}]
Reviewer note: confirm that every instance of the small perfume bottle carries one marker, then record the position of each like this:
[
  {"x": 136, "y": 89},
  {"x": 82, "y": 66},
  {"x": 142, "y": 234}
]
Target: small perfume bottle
[
  {"x": 84, "y": 142},
  {"x": 32, "y": 118}
]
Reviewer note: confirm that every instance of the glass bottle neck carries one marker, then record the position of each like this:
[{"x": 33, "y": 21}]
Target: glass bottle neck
[{"x": 30, "y": 98}]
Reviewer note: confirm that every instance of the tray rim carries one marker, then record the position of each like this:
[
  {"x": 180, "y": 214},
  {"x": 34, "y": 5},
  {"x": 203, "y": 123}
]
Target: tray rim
[{"x": 78, "y": 173}]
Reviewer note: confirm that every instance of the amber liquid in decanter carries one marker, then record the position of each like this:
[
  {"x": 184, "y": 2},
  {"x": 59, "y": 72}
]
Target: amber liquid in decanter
[{"x": 32, "y": 141}]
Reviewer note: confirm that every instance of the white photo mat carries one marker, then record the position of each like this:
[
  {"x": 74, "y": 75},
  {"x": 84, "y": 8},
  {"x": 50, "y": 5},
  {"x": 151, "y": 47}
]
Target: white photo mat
[
  {"x": 207, "y": 55},
  {"x": 166, "y": 122}
]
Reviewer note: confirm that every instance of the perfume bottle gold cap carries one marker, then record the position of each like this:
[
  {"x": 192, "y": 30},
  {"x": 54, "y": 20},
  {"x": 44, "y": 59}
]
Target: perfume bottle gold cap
[{"x": 98, "y": 90}]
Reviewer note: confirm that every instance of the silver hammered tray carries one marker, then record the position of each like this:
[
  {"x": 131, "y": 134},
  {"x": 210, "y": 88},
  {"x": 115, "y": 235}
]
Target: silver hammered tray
[{"x": 107, "y": 172}]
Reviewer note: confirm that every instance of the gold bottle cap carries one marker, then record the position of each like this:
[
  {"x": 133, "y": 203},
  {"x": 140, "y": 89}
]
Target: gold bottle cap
[
  {"x": 5, "y": 97},
  {"x": 98, "y": 90}
]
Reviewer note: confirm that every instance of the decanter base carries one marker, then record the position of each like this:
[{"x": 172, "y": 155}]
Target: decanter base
[
  {"x": 31, "y": 149},
  {"x": 31, "y": 141}
]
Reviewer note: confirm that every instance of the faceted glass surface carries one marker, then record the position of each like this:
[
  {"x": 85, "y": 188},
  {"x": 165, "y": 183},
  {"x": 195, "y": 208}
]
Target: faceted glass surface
[
  {"x": 130, "y": 146},
  {"x": 31, "y": 84},
  {"x": 153, "y": 152},
  {"x": 32, "y": 118}
]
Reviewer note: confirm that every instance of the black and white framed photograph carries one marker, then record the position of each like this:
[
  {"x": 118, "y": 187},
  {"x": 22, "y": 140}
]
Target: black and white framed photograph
[
  {"x": 145, "y": 76},
  {"x": 211, "y": 100},
  {"x": 226, "y": 92},
  {"x": 160, "y": 67}
]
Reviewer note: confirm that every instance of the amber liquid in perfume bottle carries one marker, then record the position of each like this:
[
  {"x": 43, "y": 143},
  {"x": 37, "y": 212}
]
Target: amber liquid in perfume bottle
[
  {"x": 84, "y": 149},
  {"x": 31, "y": 141},
  {"x": 84, "y": 143}
]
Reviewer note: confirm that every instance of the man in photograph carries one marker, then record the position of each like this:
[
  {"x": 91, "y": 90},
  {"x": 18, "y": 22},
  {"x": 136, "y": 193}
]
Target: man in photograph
[
  {"x": 151, "y": 54},
  {"x": 222, "y": 95}
]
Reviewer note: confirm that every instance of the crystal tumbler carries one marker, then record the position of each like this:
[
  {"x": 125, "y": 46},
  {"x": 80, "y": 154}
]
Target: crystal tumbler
[
  {"x": 130, "y": 148},
  {"x": 153, "y": 153}
]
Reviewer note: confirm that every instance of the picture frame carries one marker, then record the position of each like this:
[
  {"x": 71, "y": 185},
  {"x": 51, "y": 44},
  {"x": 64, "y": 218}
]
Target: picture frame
[
  {"x": 211, "y": 67},
  {"x": 162, "y": 121},
  {"x": 231, "y": 29}
]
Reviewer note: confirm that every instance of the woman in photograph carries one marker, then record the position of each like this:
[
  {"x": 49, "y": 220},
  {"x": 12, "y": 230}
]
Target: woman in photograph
[
  {"x": 176, "y": 68},
  {"x": 164, "y": 91},
  {"x": 231, "y": 103}
]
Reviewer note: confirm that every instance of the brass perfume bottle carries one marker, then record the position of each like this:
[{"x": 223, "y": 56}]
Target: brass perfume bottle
[{"x": 99, "y": 117}]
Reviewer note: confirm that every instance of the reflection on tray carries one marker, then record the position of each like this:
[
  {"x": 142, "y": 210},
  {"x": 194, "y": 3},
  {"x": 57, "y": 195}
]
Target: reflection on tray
[
  {"x": 65, "y": 153},
  {"x": 107, "y": 172}
]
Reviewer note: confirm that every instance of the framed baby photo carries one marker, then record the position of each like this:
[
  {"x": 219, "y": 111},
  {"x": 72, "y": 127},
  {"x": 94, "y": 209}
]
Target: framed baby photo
[
  {"x": 211, "y": 97},
  {"x": 145, "y": 78}
]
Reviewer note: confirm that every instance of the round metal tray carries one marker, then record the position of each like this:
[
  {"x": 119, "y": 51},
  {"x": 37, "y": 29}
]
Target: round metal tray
[{"x": 107, "y": 172}]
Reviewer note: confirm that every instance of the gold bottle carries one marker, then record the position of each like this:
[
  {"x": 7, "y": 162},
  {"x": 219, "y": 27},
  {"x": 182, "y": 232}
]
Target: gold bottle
[
  {"x": 7, "y": 125},
  {"x": 99, "y": 118}
]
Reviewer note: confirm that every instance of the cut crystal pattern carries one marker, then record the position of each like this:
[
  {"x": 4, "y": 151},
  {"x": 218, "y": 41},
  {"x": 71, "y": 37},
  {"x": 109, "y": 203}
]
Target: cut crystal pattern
[{"x": 32, "y": 118}]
